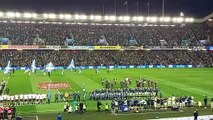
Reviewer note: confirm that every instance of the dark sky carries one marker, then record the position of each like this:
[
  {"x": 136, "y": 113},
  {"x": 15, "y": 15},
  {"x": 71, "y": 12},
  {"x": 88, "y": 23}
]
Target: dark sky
[{"x": 193, "y": 8}]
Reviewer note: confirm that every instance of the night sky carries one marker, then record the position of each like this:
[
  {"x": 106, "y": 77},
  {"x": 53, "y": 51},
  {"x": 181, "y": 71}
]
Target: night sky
[{"x": 192, "y": 8}]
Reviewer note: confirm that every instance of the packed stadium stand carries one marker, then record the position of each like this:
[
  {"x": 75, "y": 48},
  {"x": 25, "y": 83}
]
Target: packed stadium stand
[
  {"x": 91, "y": 35},
  {"x": 62, "y": 58}
]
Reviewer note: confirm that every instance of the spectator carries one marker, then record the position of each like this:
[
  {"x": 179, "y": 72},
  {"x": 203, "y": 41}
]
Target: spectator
[
  {"x": 18, "y": 117},
  {"x": 99, "y": 104},
  {"x": 195, "y": 115},
  {"x": 59, "y": 117},
  {"x": 81, "y": 107},
  {"x": 205, "y": 101}
]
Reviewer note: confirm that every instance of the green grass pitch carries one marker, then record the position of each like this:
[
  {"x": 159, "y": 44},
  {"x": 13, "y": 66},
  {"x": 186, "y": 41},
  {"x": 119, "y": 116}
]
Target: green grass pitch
[{"x": 195, "y": 82}]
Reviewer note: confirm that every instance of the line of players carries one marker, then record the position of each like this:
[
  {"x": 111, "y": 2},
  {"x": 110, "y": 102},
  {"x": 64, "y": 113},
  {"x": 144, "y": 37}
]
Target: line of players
[
  {"x": 110, "y": 94},
  {"x": 23, "y": 99},
  {"x": 141, "y": 82},
  {"x": 76, "y": 95},
  {"x": 145, "y": 103}
]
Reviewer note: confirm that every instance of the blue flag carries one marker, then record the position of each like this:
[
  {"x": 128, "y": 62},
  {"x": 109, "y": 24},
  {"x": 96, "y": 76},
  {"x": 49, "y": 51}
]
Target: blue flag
[{"x": 8, "y": 68}]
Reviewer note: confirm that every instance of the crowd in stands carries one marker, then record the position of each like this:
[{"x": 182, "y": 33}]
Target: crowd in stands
[
  {"x": 89, "y": 35},
  {"x": 7, "y": 113},
  {"x": 63, "y": 58}
]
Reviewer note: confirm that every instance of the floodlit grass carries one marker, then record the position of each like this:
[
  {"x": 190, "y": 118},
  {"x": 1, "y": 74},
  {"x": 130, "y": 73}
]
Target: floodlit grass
[{"x": 195, "y": 82}]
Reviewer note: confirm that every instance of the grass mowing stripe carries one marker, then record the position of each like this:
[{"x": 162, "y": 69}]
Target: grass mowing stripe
[
  {"x": 184, "y": 88},
  {"x": 171, "y": 81}
]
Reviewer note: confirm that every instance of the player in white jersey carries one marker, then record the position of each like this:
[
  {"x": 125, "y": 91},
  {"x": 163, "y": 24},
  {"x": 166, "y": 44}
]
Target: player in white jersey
[
  {"x": 44, "y": 98},
  {"x": 21, "y": 99},
  {"x": 37, "y": 99},
  {"x": 8, "y": 100},
  {"x": 4, "y": 98},
  {"x": 16, "y": 100},
  {"x": 34, "y": 98},
  {"x": 30, "y": 98},
  {"x": 40, "y": 98},
  {"x": 12, "y": 98},
  {"x": 26, "y": 99}
]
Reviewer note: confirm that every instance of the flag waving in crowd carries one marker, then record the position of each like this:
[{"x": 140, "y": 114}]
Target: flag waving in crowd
[
  {"x": 72, "y": 65},
  {"x": 33, "y": 66},
  {"x": 8, "y": 68}
]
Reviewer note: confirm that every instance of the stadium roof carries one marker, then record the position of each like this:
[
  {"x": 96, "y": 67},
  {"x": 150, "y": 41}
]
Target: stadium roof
[{"x": 194, "y": 8}]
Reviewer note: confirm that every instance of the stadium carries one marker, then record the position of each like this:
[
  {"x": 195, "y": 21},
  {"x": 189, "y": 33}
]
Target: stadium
[{"x": 106, "y": 60}]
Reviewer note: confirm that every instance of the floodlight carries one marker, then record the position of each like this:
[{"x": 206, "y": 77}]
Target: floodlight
[
  {"x": 92, "y": 17},
  {"x": 45, "y": 15},
  {"x": 153, "y": 19},
  {"x": 167, "y": 19},
  {"x": 34, "y": 15},
  {"x": 98, "y": 17},
  {"x": 126, "y": 18},
  {"x": 174, "y": 19},
  {"x": 10, "y": 14},
  {"x": 77, "y": 17},
  {"x": 83, "y": 17},
  {"x": 61, "y": 16},
  {"x": 17, "y": 15},
  {"x": 161, "y": 19},
  {"x": 134, "y": 18},
  {"x": 27, "y": 15},
  {"x": 140, "y": 18},
  {"x": 180, "y": 19},
  {"x": 1, "y": 14},
  {"x": 187, "y": 19},
  {"x": 120, "y": 18},
  {"x": 66, "y": 16},
  {"x": 51, "y": 16},
  {"x": 112, "y": 18},
  {"x": 147, "y": 19},
  {"x": 106, "y": 17},
  {"x": 191, "y": 20}
]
